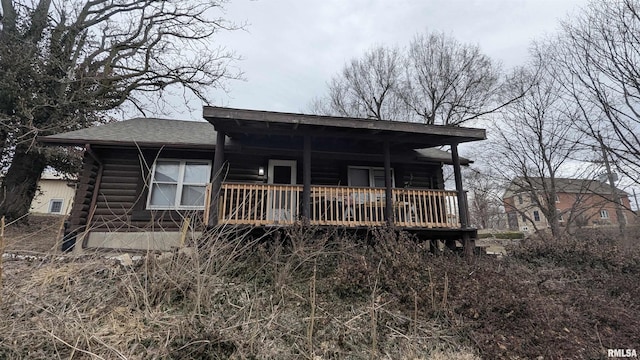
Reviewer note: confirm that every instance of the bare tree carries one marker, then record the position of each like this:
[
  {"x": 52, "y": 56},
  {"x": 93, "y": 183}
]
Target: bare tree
[
  {"x": 65, "y": 64},
  {"x": 367, "y": 87},
  {"x": 449, "y": 83},
  {"x": 485, "y": 191},
  {"x": 599, "y": 54},
  {"x": 436, "y": 80},
  {"x": 534, "y": 140}
]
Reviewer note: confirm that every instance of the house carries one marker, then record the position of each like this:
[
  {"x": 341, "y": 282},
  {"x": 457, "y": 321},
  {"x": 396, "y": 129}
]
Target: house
[
  {"x": 54, "y": 196},
  {"x": 580, "y": 202},
  {"x": 144, "y": 179}
]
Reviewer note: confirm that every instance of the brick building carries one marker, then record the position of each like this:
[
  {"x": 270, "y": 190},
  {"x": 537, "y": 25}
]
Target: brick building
[{"x": 580, "y": 202}]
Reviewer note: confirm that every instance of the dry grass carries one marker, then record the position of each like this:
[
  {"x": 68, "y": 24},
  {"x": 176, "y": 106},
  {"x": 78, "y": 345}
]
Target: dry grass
[
  {"x": 315, "y": 295},
  {"x": 233, "y": 298}
]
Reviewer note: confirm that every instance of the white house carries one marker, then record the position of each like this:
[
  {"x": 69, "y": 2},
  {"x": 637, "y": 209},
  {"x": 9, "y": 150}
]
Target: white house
[{"x": 54, "y": 195}]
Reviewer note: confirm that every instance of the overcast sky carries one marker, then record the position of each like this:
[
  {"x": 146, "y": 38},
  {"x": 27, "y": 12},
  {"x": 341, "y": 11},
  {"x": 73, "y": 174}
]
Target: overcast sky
[{"x": 291, "y": 48}]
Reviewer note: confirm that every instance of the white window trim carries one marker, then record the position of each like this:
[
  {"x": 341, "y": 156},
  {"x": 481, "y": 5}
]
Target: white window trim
[
  {"x": 51, "y": 201},
  {"x": 371, "y": 177},
  {"x": 180, "y": 184},
  {"x": 604, "y": 214}
]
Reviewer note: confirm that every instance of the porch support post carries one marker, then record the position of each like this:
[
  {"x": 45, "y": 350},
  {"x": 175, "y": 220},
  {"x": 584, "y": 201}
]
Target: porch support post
[
  {"x": 306, "y": 180},
  {"x": 216, "y": 185},
  {"x": 463, "y": 211},
  {"x": 388, "y": 209}
]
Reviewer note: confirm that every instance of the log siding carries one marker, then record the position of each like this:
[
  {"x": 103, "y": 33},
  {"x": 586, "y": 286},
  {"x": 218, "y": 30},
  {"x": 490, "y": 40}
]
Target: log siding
[{"x": 123, "y": 191}]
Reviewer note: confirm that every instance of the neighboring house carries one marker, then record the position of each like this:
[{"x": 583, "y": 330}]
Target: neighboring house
[
  {"x": 142, "y": 178},
  {"x": 54, "y": 195},
  {"x": 580, "y": 202}
]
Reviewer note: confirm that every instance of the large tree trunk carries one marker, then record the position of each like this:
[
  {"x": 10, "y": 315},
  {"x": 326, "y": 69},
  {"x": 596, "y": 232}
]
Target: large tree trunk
[{"x": 21, "y": 182}]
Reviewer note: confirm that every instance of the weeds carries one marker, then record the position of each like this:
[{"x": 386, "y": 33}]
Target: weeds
[
  {"x": 234, "y": 296},
  {"x": 309, "y": 294}
]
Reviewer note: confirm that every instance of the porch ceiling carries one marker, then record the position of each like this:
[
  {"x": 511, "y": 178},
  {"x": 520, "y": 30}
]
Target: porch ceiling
[{"x": 247, "y": 124}]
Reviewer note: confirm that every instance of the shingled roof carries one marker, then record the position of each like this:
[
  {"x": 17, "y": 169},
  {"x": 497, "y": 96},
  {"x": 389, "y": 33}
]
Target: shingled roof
[
  {"x": 563, "y": 185},
  {"x": 155, "y": 132},
  {"x": 143, "y": 132}
]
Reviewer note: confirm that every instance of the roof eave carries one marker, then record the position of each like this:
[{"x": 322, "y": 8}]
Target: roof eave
[
  {"x": 52, "y": 141},
  {"x": 230, "y": 120}
]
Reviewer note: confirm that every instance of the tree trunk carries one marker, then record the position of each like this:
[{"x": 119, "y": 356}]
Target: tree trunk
[{"x": 21, "y": 182}]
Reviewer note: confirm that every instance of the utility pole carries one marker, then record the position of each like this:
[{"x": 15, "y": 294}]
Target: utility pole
[{"x": 614, "y": 192}]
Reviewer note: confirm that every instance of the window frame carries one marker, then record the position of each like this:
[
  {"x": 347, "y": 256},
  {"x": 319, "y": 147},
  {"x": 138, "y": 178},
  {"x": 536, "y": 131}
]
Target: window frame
[
  {"x": 51, "y": 201},
  {"x": 371, "y": 175},
  {"x": 536, "y": 216},
  {"x": 179, "y": 185},
  {"x": 604, "y": 214}
]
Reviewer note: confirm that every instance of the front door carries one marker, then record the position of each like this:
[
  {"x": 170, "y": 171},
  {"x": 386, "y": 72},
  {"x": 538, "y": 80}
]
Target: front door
[{"x": 283, "y": 201}]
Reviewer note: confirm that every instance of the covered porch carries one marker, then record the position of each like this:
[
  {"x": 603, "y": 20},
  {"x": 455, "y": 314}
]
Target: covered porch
[{"x": 298, "y": 136}]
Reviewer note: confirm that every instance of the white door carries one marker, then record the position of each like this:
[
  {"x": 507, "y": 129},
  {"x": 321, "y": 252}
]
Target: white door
[{"x": 283, "y": 203}]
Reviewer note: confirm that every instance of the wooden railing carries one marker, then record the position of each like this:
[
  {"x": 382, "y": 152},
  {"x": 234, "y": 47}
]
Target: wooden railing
[
  {"x": 266, "y": 204},
  {"x": 347, "y": 206},
  {"x": 259, "y": 204}
]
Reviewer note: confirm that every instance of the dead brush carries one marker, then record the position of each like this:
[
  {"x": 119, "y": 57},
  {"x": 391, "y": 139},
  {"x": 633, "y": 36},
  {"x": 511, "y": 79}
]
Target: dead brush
[{"x": 234, "y": 296}]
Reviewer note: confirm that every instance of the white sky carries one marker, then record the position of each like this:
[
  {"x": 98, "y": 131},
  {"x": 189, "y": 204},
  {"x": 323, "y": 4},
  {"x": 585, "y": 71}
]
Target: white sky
[{"x": 291, "y": 48}]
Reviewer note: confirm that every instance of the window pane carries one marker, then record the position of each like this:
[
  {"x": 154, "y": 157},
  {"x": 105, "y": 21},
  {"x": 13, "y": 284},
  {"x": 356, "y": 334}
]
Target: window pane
[
  {"x": 163, "y": 195},
  {"x": 192, "y": 195},
  {"x": 167, "y": 171},
  {"x": 378, "y": 178},
  {"x": 358, "y": 177},
  {"x": 196, "y": 173},
  {"x": 56, "y": 206}
]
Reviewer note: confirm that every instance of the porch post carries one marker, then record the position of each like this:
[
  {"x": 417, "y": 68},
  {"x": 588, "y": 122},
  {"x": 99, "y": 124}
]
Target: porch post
[
  {"x": 463, "y": 210},
  {"x": 216, "y": 185},
  {"x": 462, "y": 200},
  {"x": 306, "y": 180},
  {"x": 388, "y": 209}
]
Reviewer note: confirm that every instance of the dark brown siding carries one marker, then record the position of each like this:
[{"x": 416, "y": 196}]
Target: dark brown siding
[
  {"x": 326, "y": 171},
  {"x": 419, "y": 176},
  {"x": 244, "y": 168},
  {"x": 118, "y": 192},
  {"x": 122, "y": 192},
  {"x": 84, "y": 193}
]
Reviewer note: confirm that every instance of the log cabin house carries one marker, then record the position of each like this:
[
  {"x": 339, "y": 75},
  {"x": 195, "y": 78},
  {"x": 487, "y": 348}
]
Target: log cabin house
[{"x": 143, "y": 178}]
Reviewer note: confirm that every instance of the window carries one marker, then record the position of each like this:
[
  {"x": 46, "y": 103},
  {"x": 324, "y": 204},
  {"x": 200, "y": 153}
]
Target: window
[
  {"x": 179, "y": 184},
  {"x": 520, "y": 199},
  {"x": 536, "y": 215},
  {"x": 524, "y": 218},
  {"x": 368, "y": 176},
  {"x": 604, "y": 214},
  {"x": 557, "y": 198},
  {"x": 55, "y": 206},
  {"x": 560, "y": 218}
]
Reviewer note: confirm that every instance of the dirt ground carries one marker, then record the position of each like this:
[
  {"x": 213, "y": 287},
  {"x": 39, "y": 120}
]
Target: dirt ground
[{"x": 39, "y": 235}]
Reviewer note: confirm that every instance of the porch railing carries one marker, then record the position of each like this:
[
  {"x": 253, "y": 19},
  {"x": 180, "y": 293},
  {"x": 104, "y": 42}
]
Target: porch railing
[{"x": 267, "y": 204}]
